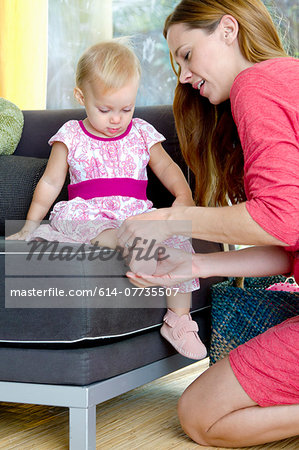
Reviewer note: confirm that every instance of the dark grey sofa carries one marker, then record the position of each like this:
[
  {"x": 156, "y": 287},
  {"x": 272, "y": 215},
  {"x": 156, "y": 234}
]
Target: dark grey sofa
[{"x": 80, "y": 350}]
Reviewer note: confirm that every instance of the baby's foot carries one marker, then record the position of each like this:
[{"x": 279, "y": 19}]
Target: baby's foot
[
  {"x": 181, "y": 332},
  {"x": 142, "y": 261},
  {"x": 147, "y": 267}
]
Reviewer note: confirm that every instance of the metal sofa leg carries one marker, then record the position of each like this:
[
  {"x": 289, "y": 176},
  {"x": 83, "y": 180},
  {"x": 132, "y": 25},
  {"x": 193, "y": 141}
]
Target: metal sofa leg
[{"x": 82, "y": 428}]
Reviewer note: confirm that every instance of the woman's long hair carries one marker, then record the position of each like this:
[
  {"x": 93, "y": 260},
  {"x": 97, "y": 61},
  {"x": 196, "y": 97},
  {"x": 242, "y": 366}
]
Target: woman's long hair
[{"x": 207, "y": 133}]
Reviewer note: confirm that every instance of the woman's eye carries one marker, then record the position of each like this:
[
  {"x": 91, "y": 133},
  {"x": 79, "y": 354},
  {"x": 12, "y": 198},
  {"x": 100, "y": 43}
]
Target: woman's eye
[{"x": 187, "y": 56}]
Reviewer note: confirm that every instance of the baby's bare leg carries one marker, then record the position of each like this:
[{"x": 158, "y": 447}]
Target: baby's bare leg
[
  {"x": 107, "y": 238},
  {"x": 179, "y": 303},
  {"x": 137, "y": 263}
]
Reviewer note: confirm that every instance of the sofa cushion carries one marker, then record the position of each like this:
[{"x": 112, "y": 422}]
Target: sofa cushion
[{"x": 48, "y": 296}]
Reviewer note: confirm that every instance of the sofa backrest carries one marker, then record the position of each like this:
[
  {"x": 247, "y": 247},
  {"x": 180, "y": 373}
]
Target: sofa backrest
[{"x": 40, "y": 126}]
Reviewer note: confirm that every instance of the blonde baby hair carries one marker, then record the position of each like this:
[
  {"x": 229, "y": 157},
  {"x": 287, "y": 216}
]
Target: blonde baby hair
[{"x": 113, "y": 63}]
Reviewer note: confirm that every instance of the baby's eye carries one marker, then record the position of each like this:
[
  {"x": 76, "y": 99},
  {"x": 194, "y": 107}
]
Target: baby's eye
[
  {"x": 103, "y": 110},
  {"x": 186, "y": 57},
  {"x": 127, "y": 110}
]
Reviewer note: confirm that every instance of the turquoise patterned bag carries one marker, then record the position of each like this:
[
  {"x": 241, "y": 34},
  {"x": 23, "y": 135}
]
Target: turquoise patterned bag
[{"x": 239, "y": 314}]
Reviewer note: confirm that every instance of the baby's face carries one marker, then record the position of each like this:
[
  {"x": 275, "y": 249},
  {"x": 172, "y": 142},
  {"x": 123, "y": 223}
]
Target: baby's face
[{"x": 109, "y": 114}]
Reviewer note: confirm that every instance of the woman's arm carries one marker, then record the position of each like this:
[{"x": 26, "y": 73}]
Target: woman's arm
[
  {"x": 229, "y": 224},
  {"x": 258, "y": 261},
  {"x": 177, "y": 266},
  {"x": 47, "y": 190}
]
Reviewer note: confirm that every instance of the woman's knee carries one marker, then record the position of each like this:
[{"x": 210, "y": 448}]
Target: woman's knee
[
  {"x": 213, "y": 395},
  {"x": 191, "y": 423}
]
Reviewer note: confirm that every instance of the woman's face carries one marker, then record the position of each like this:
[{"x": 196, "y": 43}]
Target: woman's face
[{"x": 209, "y": 62}]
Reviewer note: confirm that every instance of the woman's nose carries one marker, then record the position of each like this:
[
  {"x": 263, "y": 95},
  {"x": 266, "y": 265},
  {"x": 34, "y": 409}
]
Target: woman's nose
[{"x": 185, "y": 76}]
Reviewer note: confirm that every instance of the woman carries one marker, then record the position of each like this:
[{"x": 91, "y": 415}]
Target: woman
[{"x": 236, "y": 111}]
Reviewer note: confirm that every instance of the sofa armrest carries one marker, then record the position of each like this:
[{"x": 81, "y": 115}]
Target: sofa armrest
[{"x": 19, "y": 177}]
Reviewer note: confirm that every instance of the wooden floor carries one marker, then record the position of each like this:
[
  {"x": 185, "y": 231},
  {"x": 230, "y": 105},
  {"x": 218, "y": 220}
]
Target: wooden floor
[{"x": 144, "y": 418}]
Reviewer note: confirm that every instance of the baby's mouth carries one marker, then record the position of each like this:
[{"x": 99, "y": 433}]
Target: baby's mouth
[{"x": 113, "y": 130}]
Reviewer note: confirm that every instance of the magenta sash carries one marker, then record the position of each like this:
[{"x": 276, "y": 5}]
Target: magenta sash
[{"x": 107, "y": 187}]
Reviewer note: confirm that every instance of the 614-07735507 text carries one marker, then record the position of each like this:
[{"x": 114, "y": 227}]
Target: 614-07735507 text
[
  {"x": 98, "y": 291},
  {"x": 137, "y": 292}
]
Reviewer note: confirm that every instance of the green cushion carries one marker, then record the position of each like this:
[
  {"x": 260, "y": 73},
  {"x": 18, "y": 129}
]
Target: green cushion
[{"x": 11, "y": 126}]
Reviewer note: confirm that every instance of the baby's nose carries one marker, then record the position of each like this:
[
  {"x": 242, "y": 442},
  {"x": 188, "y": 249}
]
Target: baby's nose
[{"x": 115, "y": 118}]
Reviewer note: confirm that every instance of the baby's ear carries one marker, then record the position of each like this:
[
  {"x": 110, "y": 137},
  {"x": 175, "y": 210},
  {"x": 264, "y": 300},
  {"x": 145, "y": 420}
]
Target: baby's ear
[{"x": 78, "y": 94}]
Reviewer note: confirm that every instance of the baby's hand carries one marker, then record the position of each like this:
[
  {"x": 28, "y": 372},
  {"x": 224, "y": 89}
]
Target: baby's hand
[
  {"x": 22, "y": 235},
  {"x": 184, "y": 200}
]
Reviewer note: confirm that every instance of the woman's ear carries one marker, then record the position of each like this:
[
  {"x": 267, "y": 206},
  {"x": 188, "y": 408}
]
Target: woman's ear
[
  {"x": 78, "y": 94},
  {"x": 229, "y": 28}
]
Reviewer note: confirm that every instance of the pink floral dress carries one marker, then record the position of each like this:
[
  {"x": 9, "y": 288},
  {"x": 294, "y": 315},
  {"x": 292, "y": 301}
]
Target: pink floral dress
[{"x": 91, "y": 157}]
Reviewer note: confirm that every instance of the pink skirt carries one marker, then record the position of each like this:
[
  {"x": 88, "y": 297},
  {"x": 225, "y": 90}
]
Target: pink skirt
[{"x": 267, "y": 366}]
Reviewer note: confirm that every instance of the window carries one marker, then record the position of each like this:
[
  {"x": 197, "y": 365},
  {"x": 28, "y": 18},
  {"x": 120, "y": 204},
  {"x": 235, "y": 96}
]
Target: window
[
  {"x": 42, "y": 40},
  {"x": 77, "y": 24},
  {"x": 285, "y": 16}
]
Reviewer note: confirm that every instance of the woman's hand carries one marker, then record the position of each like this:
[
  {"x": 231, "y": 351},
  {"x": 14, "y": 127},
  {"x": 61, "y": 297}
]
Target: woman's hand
[
  {"x": 154, "y": 227},
  {"x": 144, "y": 229},
  {"x": 175, "y": 266}
]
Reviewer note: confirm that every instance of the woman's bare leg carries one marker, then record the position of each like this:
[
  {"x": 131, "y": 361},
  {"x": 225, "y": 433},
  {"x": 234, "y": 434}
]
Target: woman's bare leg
[{"x": 215, "y": 410}]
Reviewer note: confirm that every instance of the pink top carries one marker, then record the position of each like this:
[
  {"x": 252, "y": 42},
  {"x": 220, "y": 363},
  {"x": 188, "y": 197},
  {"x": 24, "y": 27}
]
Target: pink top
[
  {"x": 105, "y": 139},
  {"x": 91, "y": 157},
  {"x": 108, "y": 178},
  {"x": 264, "y": 103},
  {"x": 108, "y": 187}
]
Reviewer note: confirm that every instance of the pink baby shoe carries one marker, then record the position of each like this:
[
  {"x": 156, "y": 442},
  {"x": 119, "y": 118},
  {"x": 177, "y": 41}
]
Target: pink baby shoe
[{"x": 181, "y": 332}]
